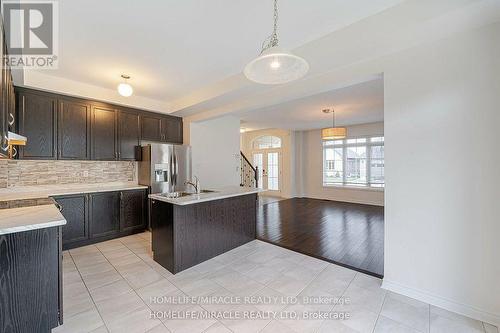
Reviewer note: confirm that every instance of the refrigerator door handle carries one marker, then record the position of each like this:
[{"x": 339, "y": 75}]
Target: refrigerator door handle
[{"x": 171, "y": 170}]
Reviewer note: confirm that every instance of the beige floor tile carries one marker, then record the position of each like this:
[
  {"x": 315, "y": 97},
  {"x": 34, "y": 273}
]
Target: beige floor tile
[
  {"x": 277, "y": 327},
  {"x": 97, "y": 268},
  {"x": 473, "y": 325},
  {"x": 140, "y": 279},
  {"x": 366, "y": 281},
  {"x": 191, "y": 324},
  {"x": 112, "y": 309},
  {"x": 263, "y": 274},
  {"x": 96, "y": 280},
  {"x": 75, "y": 305},
  {"x": 440, "y": 324},
  {"x": 81, "y": 323},
  {"x": 138, "y": 321},
  {"x": 407, "y": 311},
  {"x": 288, "y": 286},
  {"x": 217, "y": 328},
  {"x": 237, "y": 283},
  {"x": 111, "y": 290},
  {"x": 369, "y": 299},
  {"x": 386, "y": 325},
  {"x": 157, "y": 289}
]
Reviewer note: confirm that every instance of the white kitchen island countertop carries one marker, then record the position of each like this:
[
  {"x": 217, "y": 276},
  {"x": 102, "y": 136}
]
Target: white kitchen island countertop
[
  {"x": 220, "y": 193},
  {"x": 29, "y": 218}
]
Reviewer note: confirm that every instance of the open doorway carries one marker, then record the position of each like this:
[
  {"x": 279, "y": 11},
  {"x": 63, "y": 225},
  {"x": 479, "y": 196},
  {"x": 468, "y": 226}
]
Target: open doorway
[{"x": 334, "y": 206}]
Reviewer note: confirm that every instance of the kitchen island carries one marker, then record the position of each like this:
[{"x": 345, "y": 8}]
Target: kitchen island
[
  {"x": 193, "y": 228},
  {"x": 30, "y": 266}
]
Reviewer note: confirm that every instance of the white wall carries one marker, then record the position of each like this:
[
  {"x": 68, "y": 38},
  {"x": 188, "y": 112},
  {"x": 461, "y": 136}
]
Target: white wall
[
  {"x": 216, "y": 151},
  {"x": 442, "y": 137},
  {"x": 309, "y": 164}
]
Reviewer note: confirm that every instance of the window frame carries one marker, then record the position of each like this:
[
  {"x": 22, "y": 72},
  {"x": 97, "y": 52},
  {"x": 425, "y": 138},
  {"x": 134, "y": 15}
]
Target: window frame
[{"x": 344, "y": 145}]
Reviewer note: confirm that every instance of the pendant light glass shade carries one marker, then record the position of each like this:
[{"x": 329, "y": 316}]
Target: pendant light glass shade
[
  {"x": 334, "y": 133},
  {"x": 276, "y": 66},
  {"x": 125, "y": 89}
]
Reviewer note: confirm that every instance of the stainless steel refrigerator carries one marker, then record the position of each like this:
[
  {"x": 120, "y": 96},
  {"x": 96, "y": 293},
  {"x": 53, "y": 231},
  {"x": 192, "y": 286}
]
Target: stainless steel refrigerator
[{"x": 165, "y": 168}]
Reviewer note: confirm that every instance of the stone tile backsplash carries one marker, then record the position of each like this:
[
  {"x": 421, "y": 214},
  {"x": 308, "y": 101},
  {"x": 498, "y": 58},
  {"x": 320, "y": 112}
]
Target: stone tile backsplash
[{"x": 15, "y": 173}]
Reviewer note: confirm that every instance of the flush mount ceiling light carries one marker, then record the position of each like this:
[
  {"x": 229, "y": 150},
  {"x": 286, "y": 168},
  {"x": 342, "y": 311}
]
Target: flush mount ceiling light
[
  {"x": 275, "y": 65},
  {"x": 333, "y": 133},
  {"x": 124, "y": 88}
]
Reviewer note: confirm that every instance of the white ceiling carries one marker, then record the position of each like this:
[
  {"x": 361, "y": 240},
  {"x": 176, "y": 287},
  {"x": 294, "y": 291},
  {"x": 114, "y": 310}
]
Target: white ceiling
[
  {"x": 357, "y": 104},
  {"x": 171, "y": 48},
  {"x": 186, "y": 57}
]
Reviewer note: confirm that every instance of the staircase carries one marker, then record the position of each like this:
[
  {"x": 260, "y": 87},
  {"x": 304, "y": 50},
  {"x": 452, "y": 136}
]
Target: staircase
[{"x": 249, "y": 174}]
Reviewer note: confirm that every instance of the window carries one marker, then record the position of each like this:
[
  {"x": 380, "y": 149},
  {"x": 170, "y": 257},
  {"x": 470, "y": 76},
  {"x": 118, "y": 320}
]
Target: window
[
  {"x": 354, "y": 161},
  {"x": 267, "y": 142}
]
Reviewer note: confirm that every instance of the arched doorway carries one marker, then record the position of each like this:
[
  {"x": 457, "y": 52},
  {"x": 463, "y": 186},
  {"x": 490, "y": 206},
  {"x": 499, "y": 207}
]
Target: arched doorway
[{"x": 267, "y": 157}]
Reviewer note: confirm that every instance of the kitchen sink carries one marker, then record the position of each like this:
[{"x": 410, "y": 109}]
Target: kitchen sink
[{"x": 184, "y": 194}]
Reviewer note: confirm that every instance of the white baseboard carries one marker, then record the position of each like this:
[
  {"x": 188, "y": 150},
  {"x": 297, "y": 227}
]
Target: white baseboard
[{"x": 463, "y": 309}]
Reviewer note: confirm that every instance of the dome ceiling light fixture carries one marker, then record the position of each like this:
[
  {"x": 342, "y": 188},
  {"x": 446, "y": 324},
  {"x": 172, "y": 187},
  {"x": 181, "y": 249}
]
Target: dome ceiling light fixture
[
  {"x": 275, "y": 65},
  {"x": 333, "y": 133},
  {"x": 124, "y": 88}
]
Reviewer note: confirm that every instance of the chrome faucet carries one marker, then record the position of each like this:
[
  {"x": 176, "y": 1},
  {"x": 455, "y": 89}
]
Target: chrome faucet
[{"x": 196, "y": 185}]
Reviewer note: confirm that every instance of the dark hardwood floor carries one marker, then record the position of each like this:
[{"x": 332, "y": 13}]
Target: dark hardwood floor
[{"x": 351, "y": 235}]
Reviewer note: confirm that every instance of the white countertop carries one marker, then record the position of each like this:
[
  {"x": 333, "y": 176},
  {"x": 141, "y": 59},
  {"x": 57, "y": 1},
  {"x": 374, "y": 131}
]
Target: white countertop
[
  {"x": 29, "y": 218},
  {"x": 222, "y": 193},
  {"x": 44, "y": 191}
]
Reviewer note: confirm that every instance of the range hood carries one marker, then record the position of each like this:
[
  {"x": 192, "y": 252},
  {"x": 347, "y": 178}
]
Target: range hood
[{"x": 14, "y": 139}]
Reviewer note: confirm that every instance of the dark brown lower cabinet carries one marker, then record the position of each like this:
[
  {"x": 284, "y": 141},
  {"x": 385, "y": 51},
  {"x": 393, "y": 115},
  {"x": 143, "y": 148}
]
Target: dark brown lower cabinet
[
  {"x": 105, "y": 213},
  {"x": 31, "y": 281},
  {"x": 75, "y": 211},
  {"x": 96, "y": 217},
  {"x": 133, "y": 210}
]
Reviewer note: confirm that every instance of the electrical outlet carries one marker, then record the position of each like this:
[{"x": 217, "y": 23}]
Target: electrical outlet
[{"x": 85, "y": 173}]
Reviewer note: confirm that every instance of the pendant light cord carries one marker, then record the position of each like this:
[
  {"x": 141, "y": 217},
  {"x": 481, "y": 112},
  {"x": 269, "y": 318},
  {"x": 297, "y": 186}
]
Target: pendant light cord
[
  {"x": 272, "y": 40},
  {"x": 333, "y": 118}
]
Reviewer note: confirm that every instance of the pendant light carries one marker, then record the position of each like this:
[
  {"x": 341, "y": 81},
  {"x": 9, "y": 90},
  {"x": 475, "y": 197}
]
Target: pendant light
[
  {"x": 124, "y": 88},
  {"x": 274, "y": 65},
  {"x": 333, "y": 133}
]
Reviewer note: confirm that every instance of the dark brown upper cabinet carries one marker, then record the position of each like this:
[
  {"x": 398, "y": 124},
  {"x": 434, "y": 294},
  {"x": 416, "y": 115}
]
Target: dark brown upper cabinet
[
  {"x": 151, "y": 127},
  {"x": 73, "y": 130},
  {"x": 129, "y": 135},
  {"x": 171, "y": 129},
  {"x": 37, "y": 121},
  {"x": 104, "y": 133},
  {"x": 70, "y": 128}
]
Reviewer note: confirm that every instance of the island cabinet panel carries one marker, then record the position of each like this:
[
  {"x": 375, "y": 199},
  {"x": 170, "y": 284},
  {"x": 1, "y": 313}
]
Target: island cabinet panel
[
  {"x": 31, "y": 281},
  {"x": 186, "y": 235},
  {"x": 104, "y": 134},
  {"x": 162, "y": 224},
  {"x": 129, "y": 135},
  {"x": 133, "y": 210},
  {"x": 37, "y": 121},
  {"x": 73, "y": 130},
  {"x": 151, "y": 127},
  {"x": 105, "y": 214},
  {"x": 74, "y": 208}
]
